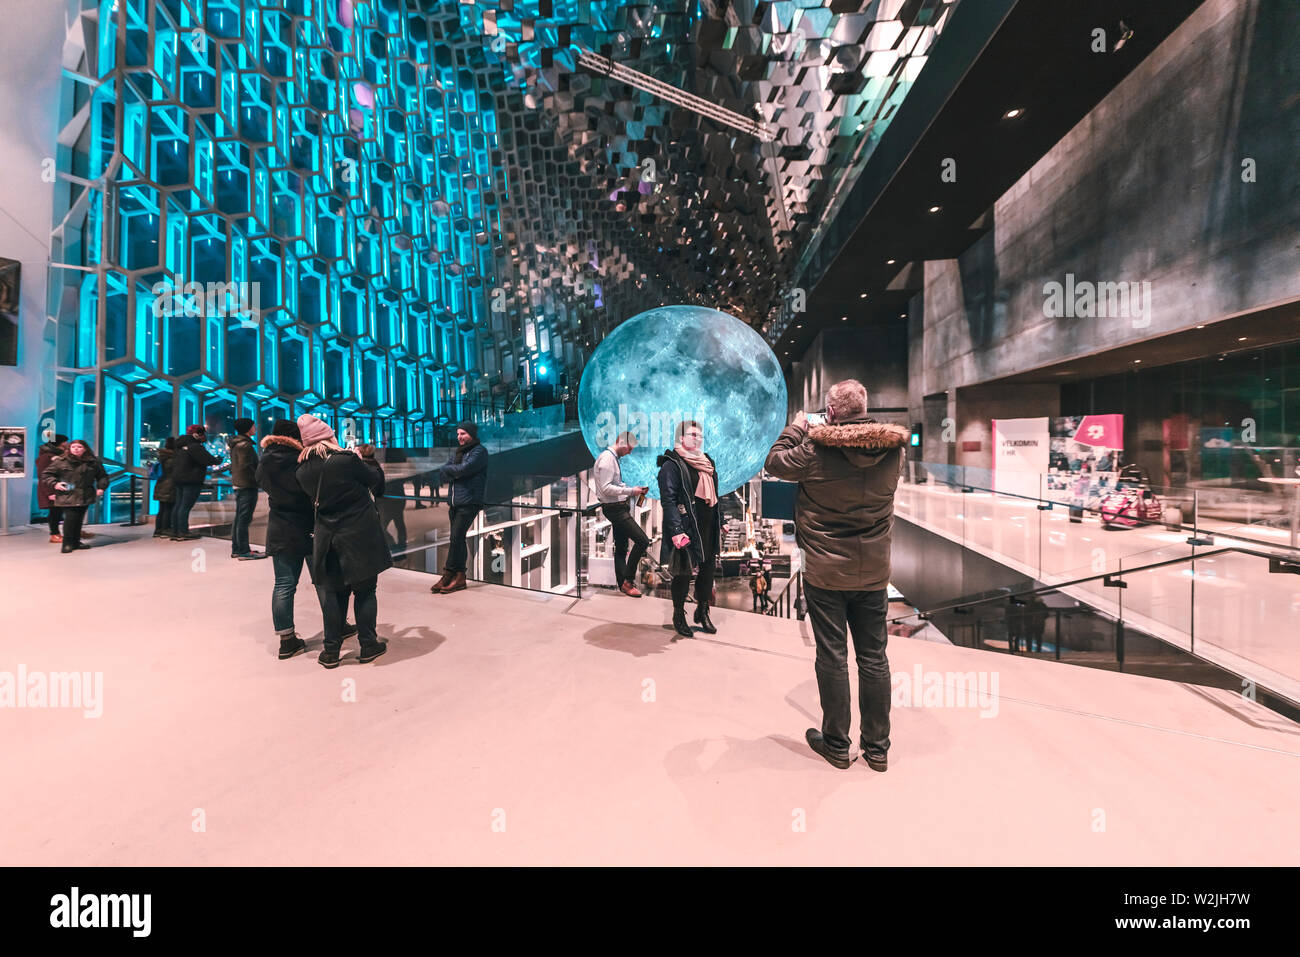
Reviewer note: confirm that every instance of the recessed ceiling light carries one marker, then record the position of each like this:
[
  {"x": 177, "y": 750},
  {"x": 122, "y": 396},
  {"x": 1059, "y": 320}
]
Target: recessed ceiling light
[
  {"x": 889, "y": 262},
  {"x": 1241, "y": 338},
  {"x": 844, "y": 318},
  {"x": 862, "y": 295},
  {"x": 1137, "y": 360},
  {"x": 1012, "y": 114},
  {"x": 1202, "y": 326},
  {"x": 935, "y": 209}
]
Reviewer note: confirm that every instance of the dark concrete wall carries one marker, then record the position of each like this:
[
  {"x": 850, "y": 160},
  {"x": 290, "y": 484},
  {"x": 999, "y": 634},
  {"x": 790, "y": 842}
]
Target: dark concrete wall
[
  {"x": 1147, "y": 188},
  {"x": 876, "y": 358}
]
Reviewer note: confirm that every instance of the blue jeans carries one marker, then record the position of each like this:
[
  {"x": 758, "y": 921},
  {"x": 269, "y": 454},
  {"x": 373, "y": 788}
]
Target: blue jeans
[
  {"x": 186, "y": 496},
  {"x": 863, "y": 612},
  {"x": 245, "y": 502},
  {"x": 288, "y": 569}
]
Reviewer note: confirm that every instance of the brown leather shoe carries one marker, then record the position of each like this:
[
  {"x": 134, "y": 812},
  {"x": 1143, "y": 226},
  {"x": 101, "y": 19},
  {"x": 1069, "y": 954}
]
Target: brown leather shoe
[
  {"x": 457, "y": 584},
  {"x": 627, "y": 588},
  {"x": 442, "y": 582}
]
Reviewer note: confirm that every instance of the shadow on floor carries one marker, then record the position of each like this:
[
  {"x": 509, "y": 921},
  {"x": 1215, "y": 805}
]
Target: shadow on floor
[{"x": 636, "y": 640}]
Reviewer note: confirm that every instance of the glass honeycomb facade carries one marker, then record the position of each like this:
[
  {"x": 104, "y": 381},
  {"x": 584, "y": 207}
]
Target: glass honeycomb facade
[{"x": 288, "y": 206}]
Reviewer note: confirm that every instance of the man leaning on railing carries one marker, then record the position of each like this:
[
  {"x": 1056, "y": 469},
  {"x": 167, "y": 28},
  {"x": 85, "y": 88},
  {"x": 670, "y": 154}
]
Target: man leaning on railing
[{"x": 847, "y": 467}]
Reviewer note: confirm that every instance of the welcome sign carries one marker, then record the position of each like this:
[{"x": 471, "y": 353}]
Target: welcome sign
[{"x": 1020, "y": 454}]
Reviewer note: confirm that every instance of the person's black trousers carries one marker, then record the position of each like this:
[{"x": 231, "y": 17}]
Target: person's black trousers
[
  {"x": 245, "y": 503},
  {"x": 334, "y": 609},
  {"x": 56, "y": 516},
  {"x": 704, "y": 577},
  {"x": 834, "y": 614},
  {"x": 186, "y": 496},
  {"x": 73, "y": 516},
  {"x": 462, "y": 517},
  {"x": 162, "y": 522},
  {"x": 626, "y": 529}
]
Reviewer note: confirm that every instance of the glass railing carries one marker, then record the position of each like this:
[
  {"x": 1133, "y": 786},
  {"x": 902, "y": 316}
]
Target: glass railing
[
  {"x": 1221, "y": 586},
  {"x": 1128, "y": 628}
]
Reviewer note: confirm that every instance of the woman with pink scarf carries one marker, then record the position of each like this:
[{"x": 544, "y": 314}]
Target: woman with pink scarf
[{"x": 688, "y": 491}]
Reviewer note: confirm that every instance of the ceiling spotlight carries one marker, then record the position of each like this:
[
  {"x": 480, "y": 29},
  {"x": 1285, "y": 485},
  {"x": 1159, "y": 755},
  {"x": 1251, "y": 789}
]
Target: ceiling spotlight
[
  {"x": 1202, "y": 326},
  {"x": 1241, "y": 338},
  {"x": 862, "y": 295},
  {"x": 1137, "y": 361},
  {"x": 1012, "y": 114},
  {"x": 935, "y": 209},
  {"x": 890, "y": 262},
  {"x": 844, "y": 318}
]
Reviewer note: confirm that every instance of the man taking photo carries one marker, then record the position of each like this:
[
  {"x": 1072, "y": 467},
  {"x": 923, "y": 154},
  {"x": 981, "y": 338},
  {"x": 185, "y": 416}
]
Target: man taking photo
[
  {"x": 847, "y": 469},
  {"x": 615, "y": 502}
]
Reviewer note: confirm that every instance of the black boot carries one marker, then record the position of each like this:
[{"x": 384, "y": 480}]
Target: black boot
[
  {"x": 329, "y": 657},
  {"x": 702, "y": 619},
  {"x": 291, "y": 645},
  {"x": 679, "y": 623}
]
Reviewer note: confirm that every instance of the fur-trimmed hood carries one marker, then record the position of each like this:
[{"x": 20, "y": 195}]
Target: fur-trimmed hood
[
  {"x": 867, "y": 434},
  {"x": 864, "y": 443},
  {"x": 285, "y": 440}
]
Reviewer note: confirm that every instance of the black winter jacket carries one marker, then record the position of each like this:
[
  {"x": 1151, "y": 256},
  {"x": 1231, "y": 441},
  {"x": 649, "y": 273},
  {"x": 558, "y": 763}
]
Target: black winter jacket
[
  {"x": 677, "y": 481},
  {"x": 164, "y": 489},
  {"x": 467, "y": 473},
  {"x": 45, "y": 490},
  {"x": 243, "y": 461},
  {"x": 192, "y": 460},
  {"x": 84, "y": 474},
  {"x": 349, "y": 544},
  {"x": 844, "y": 513},
  {"x": 289, "y": 519}
]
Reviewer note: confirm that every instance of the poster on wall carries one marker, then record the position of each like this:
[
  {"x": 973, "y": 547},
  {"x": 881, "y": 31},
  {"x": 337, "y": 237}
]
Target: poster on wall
[
  {"x": 1087, "y": 455},
  {"x": 1020, "y": 455},
  {"x": 13, "y": 451}
]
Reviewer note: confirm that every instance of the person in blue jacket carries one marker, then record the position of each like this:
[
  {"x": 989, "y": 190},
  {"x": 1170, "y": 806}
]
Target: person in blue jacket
[{"x": 467, "y": 473}]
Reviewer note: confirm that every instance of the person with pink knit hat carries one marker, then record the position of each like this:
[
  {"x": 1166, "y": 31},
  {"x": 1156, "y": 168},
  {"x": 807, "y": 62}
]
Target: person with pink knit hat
[{"x": 349, "y": 550}]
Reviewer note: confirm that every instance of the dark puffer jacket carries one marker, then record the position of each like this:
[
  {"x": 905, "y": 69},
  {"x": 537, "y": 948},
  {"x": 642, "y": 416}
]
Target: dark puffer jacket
[
  {"x": 349, "y": 544},
  {"x": 84, "y": 474},
  {"x": 190, "y": 466},
  {"x": 243, "y": 461},
  {"x": 677, "y": 482},
  {"x": 844, "y": 513},
  {"x": 289, "y": 519},
  {"x": 164, "y": 489},
  {"x": 45, "y": 490},
  {"x": 467, "y": 472}
]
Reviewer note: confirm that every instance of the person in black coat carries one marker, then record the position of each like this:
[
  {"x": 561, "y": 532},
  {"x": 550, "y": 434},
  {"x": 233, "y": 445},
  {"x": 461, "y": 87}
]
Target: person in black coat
[
  {"x": 688, "y": 492},
  {"x": 289, "y": 521},
  {"x": 78, "y": 479},
  {"x": 467, "y": 472},
  {"x": 348, "y": 549},
  {"x": 243, "y": 478},
  {"x": 164, "y": 490},
  {"x": 45, "y": 490},
  {"x": 189, "y": 468}
]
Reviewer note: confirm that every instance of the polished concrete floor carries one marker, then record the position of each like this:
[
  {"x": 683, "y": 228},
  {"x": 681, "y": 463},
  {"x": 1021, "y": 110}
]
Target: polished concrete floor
[{"x": 506, "y": 726}]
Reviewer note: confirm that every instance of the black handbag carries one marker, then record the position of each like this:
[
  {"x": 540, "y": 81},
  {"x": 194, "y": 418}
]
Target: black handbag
[{"x": 679, "y": 563}]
